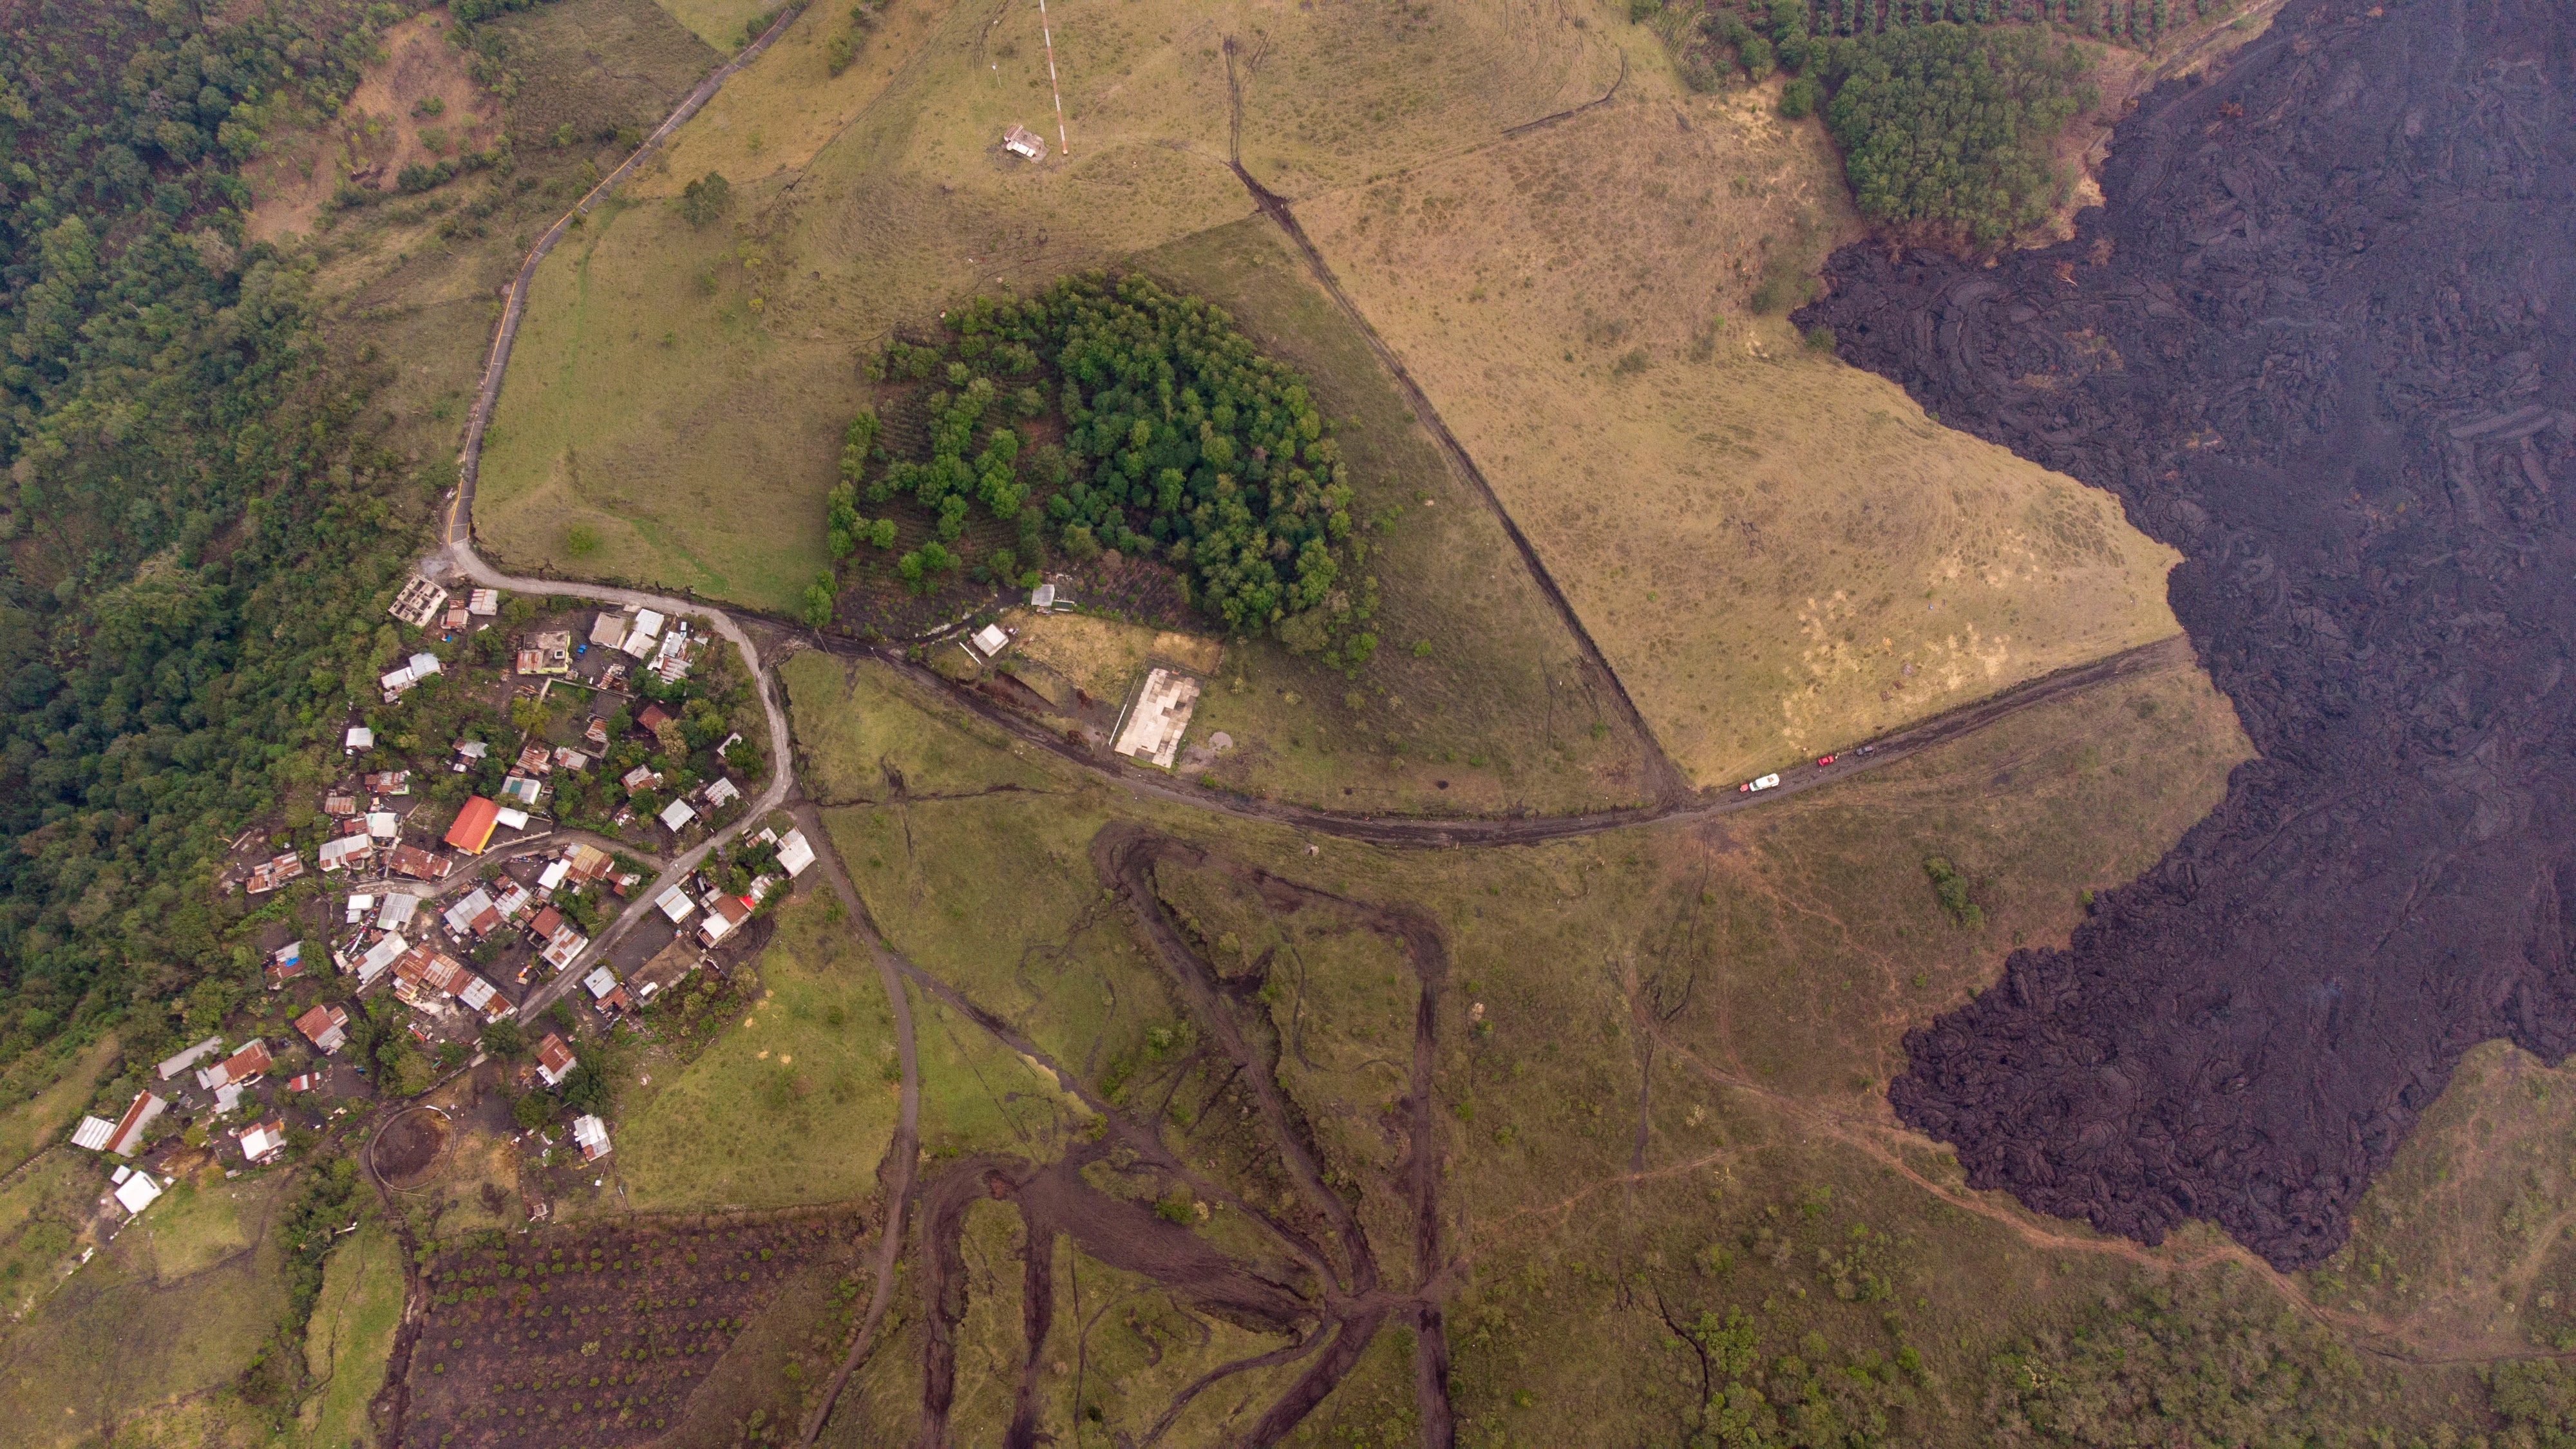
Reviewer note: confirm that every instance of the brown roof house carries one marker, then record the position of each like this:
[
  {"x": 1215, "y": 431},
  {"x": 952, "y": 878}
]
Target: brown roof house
[
  {"x": 240, "y": 1069},
  {"x": 554, "y": 1059},
  {"x": 325, "y": 1026}
]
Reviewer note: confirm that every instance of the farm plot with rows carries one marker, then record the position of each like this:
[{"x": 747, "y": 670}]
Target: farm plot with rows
[{"x": 590, "y": 1337}]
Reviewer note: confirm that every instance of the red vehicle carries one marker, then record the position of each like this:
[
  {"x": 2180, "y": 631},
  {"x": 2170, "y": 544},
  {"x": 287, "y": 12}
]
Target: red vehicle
[{"x": 1824, "y": 760}]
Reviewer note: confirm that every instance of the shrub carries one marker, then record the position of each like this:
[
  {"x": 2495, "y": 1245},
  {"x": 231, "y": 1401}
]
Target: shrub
[
  {"x": 1820, "y": 339},
  {"x": 1951, "y": 889}
]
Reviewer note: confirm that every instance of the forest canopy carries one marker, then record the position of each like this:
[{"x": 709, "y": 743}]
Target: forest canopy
[
  {"x": 196, "y": 528},
  {"x": 1180, "y": 441},
  {"x": 1948, "y": 125},
  {"x": 1944, "y": 126}
]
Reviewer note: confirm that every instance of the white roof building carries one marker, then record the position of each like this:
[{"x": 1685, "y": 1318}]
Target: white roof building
[
  {"x": 591, "y": 1135},
  {"x": 794, "y": 854},
  {"x": 384, "y": 953},
  {"x": 358, "y": 908},
  {"x": 358, "y": 738},
  {"x": 397, "y": 912},
  {"x": 609, "y": 630},
  {"x": 383, "y": 824},
  {"x": 675, "y": 904},
  {"x": 599, "y": 982},
  {"x": 721, "y": 791},
  {"x": 640, "y": 633},
  {"x": 189, "y": 1058},
  {"x": 483, "y": 601},
  {"x": 1023, "y": 142},
  {"x": 137, "y": 1193},
  {"x": 346, "y": 852},
  {"x": 676, "y": 815},
  {"x": 93, "y": 1133},
  {"x": 554, "y": 875},
  {"x": 990, "y": 640},
  {"x": 264, "y": 1141},
  {"x": 509, "y": 818}
]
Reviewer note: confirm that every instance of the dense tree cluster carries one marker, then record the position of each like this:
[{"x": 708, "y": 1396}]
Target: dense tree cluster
[
  {"x": 1949, "y": 126},
  {"x": 1944, "y": 121},
  {"x": 1180, "y": 442},
  {"x": 195, "y": 535}
]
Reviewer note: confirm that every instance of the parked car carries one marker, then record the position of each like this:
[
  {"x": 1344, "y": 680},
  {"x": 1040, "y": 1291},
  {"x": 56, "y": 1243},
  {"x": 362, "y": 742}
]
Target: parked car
[
  {"x": 1824, "y": 760},
  {"x": 1765, "y": 783}
]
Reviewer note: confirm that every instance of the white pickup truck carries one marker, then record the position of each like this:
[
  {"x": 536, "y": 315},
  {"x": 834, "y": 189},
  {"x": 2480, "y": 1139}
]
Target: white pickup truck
[{"x": 1765, "y": 783}]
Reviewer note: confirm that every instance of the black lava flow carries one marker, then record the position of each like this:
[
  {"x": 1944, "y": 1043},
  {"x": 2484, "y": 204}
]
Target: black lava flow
[{"x": 2321, "y": 337}]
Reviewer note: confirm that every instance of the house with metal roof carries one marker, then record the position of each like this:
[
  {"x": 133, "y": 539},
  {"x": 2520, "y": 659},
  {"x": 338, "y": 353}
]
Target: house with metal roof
[{"x": 473, "y": 828}]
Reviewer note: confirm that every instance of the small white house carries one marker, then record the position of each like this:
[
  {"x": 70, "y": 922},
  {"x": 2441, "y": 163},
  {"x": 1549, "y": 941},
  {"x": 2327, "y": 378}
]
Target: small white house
[
  {"x": 359, "y": 738},
  {"x": 991, "y": 640},
  {"x": 675, "y": 903},
  {"x": 591, "y": 1135},
  {"x": 1023, "y": 142},
  {"x": 677, "y": 815},
  {"x": 137, "y": 1193}
]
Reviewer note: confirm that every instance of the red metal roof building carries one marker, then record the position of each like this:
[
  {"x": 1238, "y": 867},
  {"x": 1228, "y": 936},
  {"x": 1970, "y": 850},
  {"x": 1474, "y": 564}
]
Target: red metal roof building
[{"x": 473, "y": 828}]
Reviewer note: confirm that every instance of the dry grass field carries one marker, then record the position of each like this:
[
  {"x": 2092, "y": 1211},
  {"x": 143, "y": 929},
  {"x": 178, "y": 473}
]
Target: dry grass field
[
  {"x": 1779, "y": 554},
  {"x": 678, "y": 392}
]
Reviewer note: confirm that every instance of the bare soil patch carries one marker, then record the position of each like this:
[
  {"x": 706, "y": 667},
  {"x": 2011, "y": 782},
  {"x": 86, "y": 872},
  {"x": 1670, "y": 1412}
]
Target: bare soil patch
[
  {"x": 416, "y": 107},
  {"x": 406, "y": 1152}
]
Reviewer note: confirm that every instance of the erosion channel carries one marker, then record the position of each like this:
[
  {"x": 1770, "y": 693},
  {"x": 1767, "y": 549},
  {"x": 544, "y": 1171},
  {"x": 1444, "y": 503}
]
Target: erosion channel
[
  {"x": 2319, "y": 338},
  {"x": 1319, "y": 1285}
]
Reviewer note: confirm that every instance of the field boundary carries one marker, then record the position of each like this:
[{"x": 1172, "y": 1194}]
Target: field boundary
[{"x": 1668, "y": 785}]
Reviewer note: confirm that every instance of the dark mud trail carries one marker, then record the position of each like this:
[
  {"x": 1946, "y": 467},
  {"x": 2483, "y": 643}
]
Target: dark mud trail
[
  {"x": 1324, "y": 1293},
  {"x": 1054, "y": 1200},
  {"x": 1127, "y": 856},
  {"x": 2322, "y": 338}
]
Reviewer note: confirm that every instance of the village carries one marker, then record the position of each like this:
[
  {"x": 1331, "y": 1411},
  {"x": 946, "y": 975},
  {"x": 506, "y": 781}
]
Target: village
[{"x": 484, "y": 890}]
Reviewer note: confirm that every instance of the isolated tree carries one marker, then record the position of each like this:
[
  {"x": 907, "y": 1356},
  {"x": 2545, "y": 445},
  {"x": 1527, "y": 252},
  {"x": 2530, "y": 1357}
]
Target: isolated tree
[
  {"x": 705, "y": 199},
  {"x": 818, "y": 600}
]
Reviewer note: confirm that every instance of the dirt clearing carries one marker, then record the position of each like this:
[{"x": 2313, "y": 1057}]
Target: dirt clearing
[{"x": 416, "y": 107}]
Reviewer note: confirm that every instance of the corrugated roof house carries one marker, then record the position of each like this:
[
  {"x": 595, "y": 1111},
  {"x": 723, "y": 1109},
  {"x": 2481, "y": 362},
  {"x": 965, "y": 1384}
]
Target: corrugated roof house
[
  {"x": 273, "y": 872},
  {"x": 474, "y": 913},
  {"x": 325, "y": 1026},
  {"x": 240, "y": 1069},
  {"x": 417, "y": 863},
  {"x": 387, "y": 950},
  {"x": 591, "y": 1135},
  {"x": 189, "y": 1058}
]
